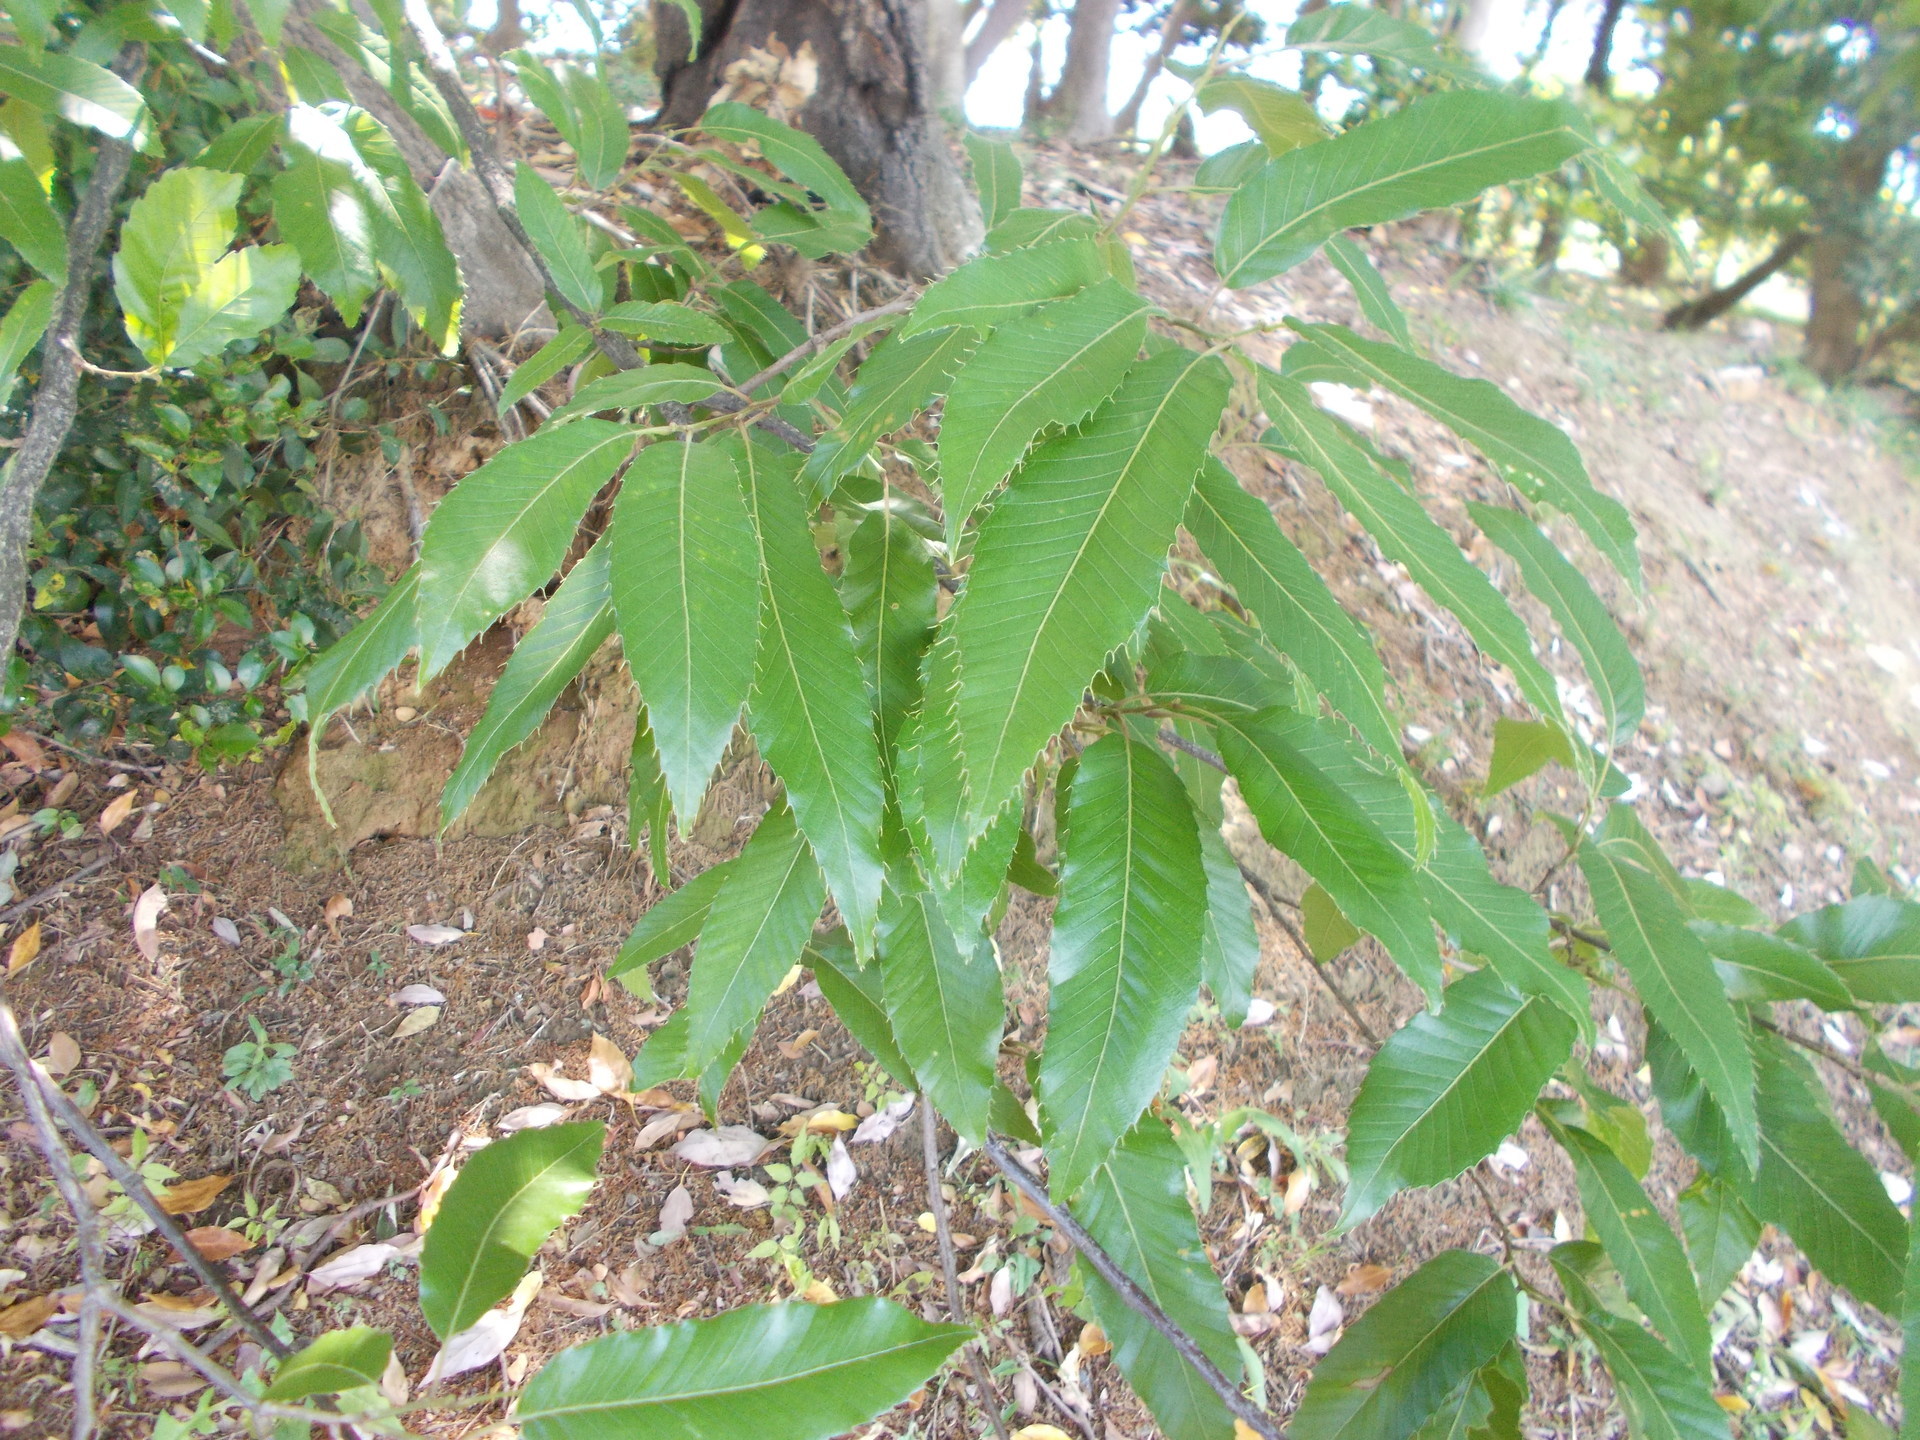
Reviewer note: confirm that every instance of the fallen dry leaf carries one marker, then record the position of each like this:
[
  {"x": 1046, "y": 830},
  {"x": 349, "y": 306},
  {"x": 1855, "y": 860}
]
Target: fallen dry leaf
[
  {"x": 417, "y": 995},
  {"x": 350, "y": 1267},
  {"x": 12, "y": 1420},
  {"x": 25, "y": 748},
  {"x": 118, "y": 808},
  {"x": 1041, "y": 1432},
  {"x": 532, "y": 1117},
  {"x": 882, "y": 1123},
  {"x": 147, "y": 911},
  {"x": 216, "y": 1242},
  {"x": 488, "y": 1337},
  {"x": 1093, "y": 1340},
  {"x": 25, "y": 947},
  {"x": 567, "y": 1305},
  {"x": 339, "y": 907},
  {"x": 183, "y": 1312},
  {"x": 1201, "y": 1073},
  {"x": 1365, "y": 1280},
  {"x": 563, "y": 1087},
  {"x": 1324, "y": 1321},
  {"x": 841, "y": 1171},
  {"x": 22, "y": 1319},
  {"x": 63, "y": 788},
  {"x": 819, "y": 1292},
  {"x": 225, "y": 930},
  {"x": 1259, "y": 1012},
  {"x": 725, "y": 1148},
  {"x": 432, "y": 1193},
  {"x": 608, "y": 1068},
  {"x": 191, "y": 1195},
  {"x": 1299, "y": 1187},
  {"x": 170, "y": 1380},
  {"x": 63, "y": 1054},
  {"x": 747, "y": 1193},
  {"x": 796, "y": 1047},
  {"x": 424, "y": 1018},
  {"x": 435, "y": 934},
  {"x": 536, "y": 938},
  {"x": 675, "y": 1214},
  {"x": 825, "y": 1121},
  {"x": 1255, "y": 1302},
  {"x": 670, "y": 1123}
]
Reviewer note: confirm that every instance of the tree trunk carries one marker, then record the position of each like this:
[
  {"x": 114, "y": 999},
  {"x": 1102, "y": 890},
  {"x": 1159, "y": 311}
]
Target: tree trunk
[
  {"x": 1695, "y": 314},
  {"x": 875, "y": 110},
  {"x": 1835, "y": 311},
  {"x": 1646, "y": 261},
  {"x": 1599, "y": 76},
  {"x": 1553, "y": 238},
  {"x": 1171, "y": 32},
  {"x": 1002, "y": 20},
  {"x": 1080, "y": 99},
  {"x": 1476, "y": 26},
  {"x": 507, "y": 32}
]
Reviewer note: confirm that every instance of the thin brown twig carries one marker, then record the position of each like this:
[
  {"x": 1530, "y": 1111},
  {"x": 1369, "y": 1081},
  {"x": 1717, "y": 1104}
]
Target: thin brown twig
[
  {"x": 53, "y": 891},
  {"x": 1136, "y": 1299},
  {"x": 899, "y": 305},
  {"x": 937, "y": 1203},
  {"x": 13, "y": 1051},
  {"x": 86, "y": 1224},
  {"x": 1293, "y": 934}
]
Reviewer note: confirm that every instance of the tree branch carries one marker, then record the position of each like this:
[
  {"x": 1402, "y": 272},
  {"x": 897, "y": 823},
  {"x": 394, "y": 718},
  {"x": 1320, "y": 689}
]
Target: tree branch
[
  {"x": 13, "y": 1052},
  {"x": 55, "y": 402},
  {"x": 1103, "y": 1265},
  {"x": 937, "y": 1203}
]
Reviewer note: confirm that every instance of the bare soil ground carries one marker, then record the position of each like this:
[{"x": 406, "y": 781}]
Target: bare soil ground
[{"x": 1780, "y": 632}]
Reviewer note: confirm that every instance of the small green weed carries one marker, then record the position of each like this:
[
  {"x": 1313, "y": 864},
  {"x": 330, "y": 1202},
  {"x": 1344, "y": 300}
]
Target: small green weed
[{"x": 255, "y": 1067}]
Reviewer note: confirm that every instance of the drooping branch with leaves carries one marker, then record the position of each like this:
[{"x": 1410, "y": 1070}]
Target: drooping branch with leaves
[{"x": 1000, "y": 669}]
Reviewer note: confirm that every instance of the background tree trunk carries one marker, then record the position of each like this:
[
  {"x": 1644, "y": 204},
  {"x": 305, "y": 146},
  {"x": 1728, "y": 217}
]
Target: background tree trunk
[
  {"x": 1127, "y": 122},
  {"x": 1835, "y": 311},
  {"x": 1003, "y": 18},
  {"x": 875, "y": 110},
  {"x": 1476, "y": 26},
  {"x": 1080, "y": 100},
  {"x": 1599, "y": 75},
  {"x": 1695, "y": 314}
]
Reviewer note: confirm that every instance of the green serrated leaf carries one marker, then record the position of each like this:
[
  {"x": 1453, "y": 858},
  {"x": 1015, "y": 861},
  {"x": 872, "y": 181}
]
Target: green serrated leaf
[
  {"x": 1819, "y": 1189},
  {"x": 320, "y": 205},
  {"x": 944, "y": 1002},
  {"x": 81, "y": 92},
  {"x": 754, "y": 933},
  {"x": 996, "y": 177},
  {"x": 1639, "y": 1243},
  {"x": 1325, "y": 830},
  {"x": 844, "y": 226},
  {"x": 1328, "y": 933},
  {"x": 413, "y": 249},
  {"x": 637, "y": 389},
  {"x": 1070, "y": 560},
  {"x": 1721, "y": 1235},
  {"x": 1025, "y": 228},
  {"x": 793, "y": 1372},
  {"x": 1050, "y": 367},
  {"x": 858, "y": 996},
  {"x": 585, "y": 113},
  {"x": 672, "y": 921},
  {"x": 174, "y": 233},
  {"x": 504, "y": 530},
  {"x": 498, "y": 1212},
  {"x": 1663, "y": 1397},
  {"x": 1523, "y": 748},
  {"x": 1871, "y": 942},
  {"x": 1446, "y": 1088},
  {"x": 27, "y": 320},
  {"x": 1370, "y": 289},
  {"x": 1398, "y": 1362},
  {"x": 1362, "y": 30},
  {"x": 339, "y": 1360},
  {"x": 1757, "y": 966},
  {"x": 558, "y": 238},
  {"x": 1136, "y": 1207},
  {"x": 898, "y": 380},
  {"x": 575, "y": 621},
  {"x": 808, "y": 709},
  {"x": 366, "y": 654},
  {"x": 1675, "y": 978},
  {"x": 1283, "y": 119},
  {"x": 1439, "y": 150},
  {"x": 1535, "y": 455},
  {"x": 686, "y": 594},
  {"x": 573, "y": 342},
  {"x": 1274, "y": 581},
  {"x": 1557, "y": 584},
  {"x": 890, "y": 594},
  {"x": 28, "y": 223},
  {"x": 1124, "y": 966},
  {"x": 665, "y": 321},
  {"x": 236, "y": 298},
  {"x": 994, "y": 288},
  {"x": 1406, "y": 533},
  {"x": 1229, "y": 944}
]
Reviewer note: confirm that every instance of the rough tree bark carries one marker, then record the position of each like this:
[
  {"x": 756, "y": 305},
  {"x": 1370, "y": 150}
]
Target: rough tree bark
[
  {"x": 875, "y": 111},
  {"x": 1599, "y": 75},
  {"x": 1003, "y": 18},
  {"x": 54, "y": 402},
  {"x": 1695, "y": 314},
  {"x": 1079, "y": 101},
  {"x": 1837, "y": 309}
]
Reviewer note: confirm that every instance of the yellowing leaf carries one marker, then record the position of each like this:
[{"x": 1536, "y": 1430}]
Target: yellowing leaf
[
  {"x": 424, "y": 1018},
  {"x": 19, "y": 1321},
  {"x": 216, "y": 1242},
  {"x": 191, "y": 1195},
  {"x": 608, "y": 1069},
  {"x": 115, "y": 815},
  {"x": 63, "y": 1054},
  {"x": 25, "y": 947}
]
